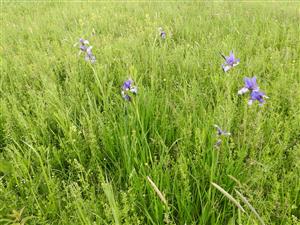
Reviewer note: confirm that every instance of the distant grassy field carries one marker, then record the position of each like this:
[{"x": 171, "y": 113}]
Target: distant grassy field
[{"x": 73, "y": 151}]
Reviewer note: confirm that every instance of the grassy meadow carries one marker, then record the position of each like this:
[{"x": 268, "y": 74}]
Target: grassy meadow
[{"x": 73, "y": 151}]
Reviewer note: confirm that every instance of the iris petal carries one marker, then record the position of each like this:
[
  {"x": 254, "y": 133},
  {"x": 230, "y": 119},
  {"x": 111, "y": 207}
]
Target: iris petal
[
  {"x": 226, "y": 67},
  {"x": 243, "y": 91}
]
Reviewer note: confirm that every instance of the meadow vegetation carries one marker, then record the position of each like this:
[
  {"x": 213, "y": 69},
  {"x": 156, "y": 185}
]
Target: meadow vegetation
[{"x": 73, "y": 151}]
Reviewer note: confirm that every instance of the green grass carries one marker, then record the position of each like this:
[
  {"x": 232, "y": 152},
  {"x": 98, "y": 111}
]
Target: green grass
[{"x": 72, "y": 151}]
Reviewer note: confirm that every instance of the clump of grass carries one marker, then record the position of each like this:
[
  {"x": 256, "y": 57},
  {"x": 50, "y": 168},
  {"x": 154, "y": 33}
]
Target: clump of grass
[
  {"x": 108, "y": 191},
  {"x": 16, "y": 218}
]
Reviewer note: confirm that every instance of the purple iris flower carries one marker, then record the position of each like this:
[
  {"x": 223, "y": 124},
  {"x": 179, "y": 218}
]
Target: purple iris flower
[
  {"x": 218, "y": 143},
  {"x": 127, "y": 85},
  {"x": 89, "y": 55},
  {"x": 83, "y": 44},
  {"x": 250, "y": 85},
  {"x": 83, "y": 48},
  {"x": 220, "y": 133},
  {"x": 162, "y": 33},
  {"x": 83, "y": 41},
  {"x": 257, "y": 95},
  {"x": 230, "y": 62},
  {"x": 128, "y": 88}
]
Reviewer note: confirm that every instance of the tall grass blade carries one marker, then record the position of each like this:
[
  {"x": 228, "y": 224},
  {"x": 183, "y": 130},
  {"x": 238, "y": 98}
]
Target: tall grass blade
[
  {"x": 158, "y": 192},
  {"x": 232, "y": 199},
  {"x": 250, "y": 206}
]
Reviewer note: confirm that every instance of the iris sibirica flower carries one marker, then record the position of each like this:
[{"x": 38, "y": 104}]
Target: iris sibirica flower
[
  {"x": 89, "y": 55},
  {"x": 230, "y": 62},
  {"x": 162, "y": 33},
  {"x": 257, "y": 95},
  {"x": 220, "y": 133},
  {"x": 84, "y": 47},
  {"x": 128, "y": 88},
  {"x": 218, "y": 143},
  {"x": 251, "y": 85},
  {"x": 83, "y": 44}
]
